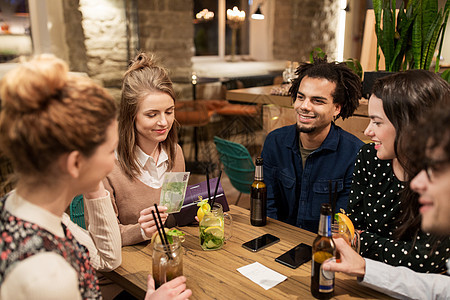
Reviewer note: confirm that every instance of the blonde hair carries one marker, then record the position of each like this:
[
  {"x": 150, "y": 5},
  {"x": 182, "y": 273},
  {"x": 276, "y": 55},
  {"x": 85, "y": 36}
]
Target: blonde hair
[
  {"x": 47, "y": 112},
  {"x": 142, "y": 78}
]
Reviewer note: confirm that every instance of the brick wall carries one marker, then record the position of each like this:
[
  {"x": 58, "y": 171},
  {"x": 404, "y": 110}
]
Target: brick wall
[
  {"x": 302, "y": 25},
  {"x": 166, "y": 29},
  {"x": 74, "y": 36},
  {"x": 105, "y": 39},
  {"x": 96, "y": 35}
]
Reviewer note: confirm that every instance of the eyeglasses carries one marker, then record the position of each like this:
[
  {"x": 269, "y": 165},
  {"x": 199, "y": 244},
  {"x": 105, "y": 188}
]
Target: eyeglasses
[{"x": 434, "y": 167}]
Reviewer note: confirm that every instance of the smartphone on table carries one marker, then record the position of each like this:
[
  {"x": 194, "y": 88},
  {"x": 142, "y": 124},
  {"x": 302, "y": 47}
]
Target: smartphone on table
[
  {"x": 295, "y": 257},
  {"x": 261, "y": 242}
]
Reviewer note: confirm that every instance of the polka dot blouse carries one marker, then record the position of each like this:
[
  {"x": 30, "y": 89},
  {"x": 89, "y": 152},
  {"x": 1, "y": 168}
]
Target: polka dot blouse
[{"x": 374, "y": 204}]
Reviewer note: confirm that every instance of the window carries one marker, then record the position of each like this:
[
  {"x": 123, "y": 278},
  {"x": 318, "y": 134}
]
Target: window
[
  {"x": 15, "y": 37},
  {"x": 206, "y": 27},
  {"x": 212, "y": 37}
]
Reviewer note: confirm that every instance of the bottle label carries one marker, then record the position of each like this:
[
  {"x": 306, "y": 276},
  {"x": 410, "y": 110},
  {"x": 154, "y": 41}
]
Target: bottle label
[
  {"x": 325, "y": 225},
  {"x": 258, "y": 204},
  {"x": 326, "y": 281}
]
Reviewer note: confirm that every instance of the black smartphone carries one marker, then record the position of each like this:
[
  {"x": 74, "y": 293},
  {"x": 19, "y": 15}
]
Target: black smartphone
[
  {"x": 295, "y": 257},
  {"x": 261, "y": 242}
]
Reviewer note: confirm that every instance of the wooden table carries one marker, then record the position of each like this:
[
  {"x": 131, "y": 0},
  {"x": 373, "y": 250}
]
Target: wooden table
[{"x": 213, "y": 274}]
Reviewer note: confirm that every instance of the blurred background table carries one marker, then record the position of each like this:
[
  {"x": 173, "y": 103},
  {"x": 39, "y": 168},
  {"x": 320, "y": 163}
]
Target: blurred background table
[{"x": 213, "y": 274}]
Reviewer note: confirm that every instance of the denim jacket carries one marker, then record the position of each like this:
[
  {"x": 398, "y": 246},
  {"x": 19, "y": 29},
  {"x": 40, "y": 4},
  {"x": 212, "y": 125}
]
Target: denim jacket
[{"x": 294, "y": 193}]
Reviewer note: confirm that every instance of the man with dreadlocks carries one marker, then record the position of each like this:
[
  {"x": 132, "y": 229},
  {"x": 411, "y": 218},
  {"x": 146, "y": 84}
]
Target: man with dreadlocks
[{"x": 306, "y": 162}]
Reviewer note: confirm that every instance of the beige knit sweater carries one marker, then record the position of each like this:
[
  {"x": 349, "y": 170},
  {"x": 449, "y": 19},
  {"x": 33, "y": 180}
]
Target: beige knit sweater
[{"x": 130, "y": 196}]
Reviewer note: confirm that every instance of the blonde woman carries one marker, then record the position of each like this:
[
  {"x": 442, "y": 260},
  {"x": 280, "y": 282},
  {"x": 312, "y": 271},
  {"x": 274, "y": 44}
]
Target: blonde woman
[{"x": 147, "y": 148}]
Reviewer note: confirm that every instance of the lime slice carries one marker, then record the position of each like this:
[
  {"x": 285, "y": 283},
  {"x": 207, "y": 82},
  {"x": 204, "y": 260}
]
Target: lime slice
[
  {"x": 169, "y": 233},
  {"x": 211, "y": 244},
  {"x": 212, "y": 221},
  {"x": 156, "y": 238},
  {"x": 215, "y": 231}
]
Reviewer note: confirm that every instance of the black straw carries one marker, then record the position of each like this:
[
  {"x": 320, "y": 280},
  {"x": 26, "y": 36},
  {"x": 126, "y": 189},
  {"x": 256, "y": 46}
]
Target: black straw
[
  {"x": 215, "y": 190},
  {"x": 162, "y": 236},
  {"x": 335, "y": 198},
  {"x": 330, "y": 191},
  {"x": 333, "y": 207},
  {"x": 161, "y": 224},
  {"x": 207, "y": 184}
]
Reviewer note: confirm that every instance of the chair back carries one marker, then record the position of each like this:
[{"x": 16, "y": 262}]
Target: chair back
[
  {"x": 237, "y": 163},
  {"x": 77, "y": 211}
]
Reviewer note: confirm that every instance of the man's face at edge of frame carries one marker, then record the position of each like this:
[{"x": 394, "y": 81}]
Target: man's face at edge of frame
[{"x": 434, "y": 193}]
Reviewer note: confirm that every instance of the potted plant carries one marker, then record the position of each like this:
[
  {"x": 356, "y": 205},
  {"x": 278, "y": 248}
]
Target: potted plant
[{"x": 409, "y": 40}]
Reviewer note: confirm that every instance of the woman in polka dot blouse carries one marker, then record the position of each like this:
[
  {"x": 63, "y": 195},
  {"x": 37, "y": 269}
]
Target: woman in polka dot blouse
[{"x": 381, "y": 204}]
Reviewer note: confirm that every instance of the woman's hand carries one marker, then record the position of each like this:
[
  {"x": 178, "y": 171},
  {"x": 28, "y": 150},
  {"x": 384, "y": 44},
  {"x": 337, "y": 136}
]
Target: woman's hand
[
  {"x": 147, "y": 222},
  {"x": 351, "y": 262},
  {"x": 174, "y": 289}
]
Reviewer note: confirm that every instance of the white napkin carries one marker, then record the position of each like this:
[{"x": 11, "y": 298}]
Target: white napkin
[{"x": 262, "y": 275}]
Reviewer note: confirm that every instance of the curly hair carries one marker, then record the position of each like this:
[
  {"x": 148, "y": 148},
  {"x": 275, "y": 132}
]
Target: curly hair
[
  {"x": 348, "y": 89},
  {"x": 142, "y": 78},
  {"x": 47, "y": 112}
]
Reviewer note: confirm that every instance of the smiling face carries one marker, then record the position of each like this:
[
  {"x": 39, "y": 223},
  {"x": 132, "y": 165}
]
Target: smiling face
[
  {"x": 154, "y": 119},
  {"x": 314, "y": 105},
  {"x": 434, "y": 191},
  {"x": 380, "y": 129}
]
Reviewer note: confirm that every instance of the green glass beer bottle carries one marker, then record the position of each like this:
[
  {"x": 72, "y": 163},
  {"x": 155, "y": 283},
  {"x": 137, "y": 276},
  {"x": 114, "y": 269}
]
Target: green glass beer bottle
[{"x": 322, "y": 282}]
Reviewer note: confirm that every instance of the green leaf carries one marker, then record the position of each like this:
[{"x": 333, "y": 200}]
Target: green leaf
[
  {"x": 446, "y": 14},
  {"x": 430, "y": 42},
  {"x": 355, "y": 66},
  {"x": 316, "y": 52},
  {"x": 446, "y": 75},
  {"x": 417, "y": 36},
  {"x": 377, "y": 12},
  {"x": 404, "y": 25},
  {"x": 388, "y": 43}
]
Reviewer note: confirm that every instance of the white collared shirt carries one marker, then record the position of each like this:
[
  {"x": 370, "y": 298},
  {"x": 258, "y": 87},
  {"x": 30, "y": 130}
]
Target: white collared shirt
[{"x": 152, "y": 173}]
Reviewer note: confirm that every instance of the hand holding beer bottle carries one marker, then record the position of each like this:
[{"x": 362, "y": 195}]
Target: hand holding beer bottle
[{"x": 322, "y": 282}]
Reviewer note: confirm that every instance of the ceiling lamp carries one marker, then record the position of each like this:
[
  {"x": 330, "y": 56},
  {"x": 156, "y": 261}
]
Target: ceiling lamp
[{"x": 258, "y": 15}]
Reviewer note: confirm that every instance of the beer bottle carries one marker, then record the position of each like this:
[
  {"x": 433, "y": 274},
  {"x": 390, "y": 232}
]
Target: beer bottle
[
  {"x": 322, "y": 282},
  {"x": 258, "y": 199}
]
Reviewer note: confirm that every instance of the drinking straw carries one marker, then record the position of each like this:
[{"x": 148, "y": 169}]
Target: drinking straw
[
  {"x": 333, "y": 207},
  {"x": 161, "y": 224},
  {"x": 161, "y": 236},
  {"x": 207, "y": 184},
  {"x": 215, "y": 190},
  {"x": 330, "y": 190}
]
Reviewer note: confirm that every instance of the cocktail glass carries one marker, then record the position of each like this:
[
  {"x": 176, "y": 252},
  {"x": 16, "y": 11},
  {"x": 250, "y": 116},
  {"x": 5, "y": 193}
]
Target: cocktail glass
[
  {"x": 212, "y": 228},
  {"x": 341, "y": 231},
  {"x": 167, "y": 261}
]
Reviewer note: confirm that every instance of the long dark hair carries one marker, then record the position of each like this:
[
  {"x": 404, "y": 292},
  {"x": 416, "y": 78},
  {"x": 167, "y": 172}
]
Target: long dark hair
[
  {"x": 406, "y": 97},
  {"x": 142, "y": 78}
]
